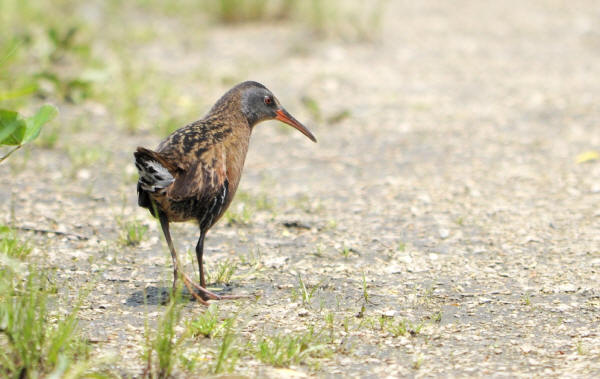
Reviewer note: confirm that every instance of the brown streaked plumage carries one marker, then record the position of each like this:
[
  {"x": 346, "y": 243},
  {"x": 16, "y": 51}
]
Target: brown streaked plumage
[{"x": 194, "y": 172}]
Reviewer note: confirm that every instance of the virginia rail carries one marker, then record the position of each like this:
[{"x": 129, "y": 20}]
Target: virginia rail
[{"x": 194, "y": 172}]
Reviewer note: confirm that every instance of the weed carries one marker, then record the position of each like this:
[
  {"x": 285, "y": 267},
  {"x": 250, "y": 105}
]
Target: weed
[
  {"x": 227, "y": 354},
  {"x": 252, "y": 259},
  {"x": 81, "y": 157},
  {"x": 73, "y": 90},
  {"x": 338, "y": 117},
  {"x": 129, "y": 108},
  {"x": 223, "y": 273},
  {"x": 436, "y": 317},
  {"x": 312, "y": 106},
  {"x": 404, "y": 327},
  {"x": 236, "y": 11},
  {"x": 284, "y": 350},
  {"x": 427, "y": 296},
  {"x": 331, "y": 225},
  {"x": 581, "y": 350},
  {"x": 348, "y": 20},
  {"x": 66, "y": 49},
  {"x": 346, "y": 324},
  {"x": 346, "y": 252},
  {"x": 245, "y": 206},
  {"x": 11, "y": 246},
  {"x": 329, "y": 320},
  {"x": 526, "y": 299},
  {"x": 239, "y": 215},
  {"x": 418, "y": 362},
  {"x": 374, "y": 322},
  {"x": 319, "y": 251},
  {"x": 132, "y": 232},
  {"x": 205, "y": 324},
  {"x": 306, "y": 294},
  {"x": 401, "y": 247},
  {"x": 307, "y": 204},
  {"x": 34, "y": 346},
  {"x": 365, "y": 293},
  {"x": 162, "y": 346}
]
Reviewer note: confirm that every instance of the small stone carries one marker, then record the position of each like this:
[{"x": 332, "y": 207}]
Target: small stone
[
  {"x": 393, "y": 269},
  {"x": 389, "y": 313},
  {"x": 526, "y": 348},
  {"x": 569, "y": 287},
  {"x": 444, "y": 233},
  {"x": 276, "y": 262},
  {"x": 303, "y": 312},
  {"x": 84, "y": 174}
]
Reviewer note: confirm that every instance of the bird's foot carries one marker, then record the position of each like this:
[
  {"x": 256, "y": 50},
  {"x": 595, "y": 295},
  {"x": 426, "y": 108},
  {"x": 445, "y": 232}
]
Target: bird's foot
[
  {"x": 208, "y": 295},
  {"x": 190, "y": 286},
  {"x": 202, "y": 294}
]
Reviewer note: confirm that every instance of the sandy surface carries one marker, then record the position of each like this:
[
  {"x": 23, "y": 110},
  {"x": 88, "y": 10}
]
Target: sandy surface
[{"x": 452, "y": 187}]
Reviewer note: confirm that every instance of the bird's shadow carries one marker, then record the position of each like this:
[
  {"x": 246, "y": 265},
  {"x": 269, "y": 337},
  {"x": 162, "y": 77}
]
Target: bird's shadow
[
  {"x": 161, "y": 296},
  {"x": 153, "y": 296}
]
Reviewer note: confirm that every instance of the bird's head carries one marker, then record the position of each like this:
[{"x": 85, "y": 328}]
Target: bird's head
[{"x": 259, "y": 104}]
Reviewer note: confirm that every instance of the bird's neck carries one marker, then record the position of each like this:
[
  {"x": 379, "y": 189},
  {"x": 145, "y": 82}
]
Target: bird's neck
[
  {"x": 230, "y": 128},
  {"x": 236, "y": 147}
]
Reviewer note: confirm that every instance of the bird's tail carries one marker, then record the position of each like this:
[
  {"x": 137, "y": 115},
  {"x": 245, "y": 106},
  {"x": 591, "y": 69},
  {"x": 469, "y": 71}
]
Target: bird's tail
[{"x": 153, "y": 169}]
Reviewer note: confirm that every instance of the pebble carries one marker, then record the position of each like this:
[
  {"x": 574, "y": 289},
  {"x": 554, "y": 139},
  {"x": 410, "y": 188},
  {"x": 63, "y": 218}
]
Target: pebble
[
  {"x": 303, "y": 312},
  {"x": 444, "y": 233}
]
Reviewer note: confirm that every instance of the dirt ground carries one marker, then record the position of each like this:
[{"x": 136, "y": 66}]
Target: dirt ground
[{"x": 450, "y": 193}]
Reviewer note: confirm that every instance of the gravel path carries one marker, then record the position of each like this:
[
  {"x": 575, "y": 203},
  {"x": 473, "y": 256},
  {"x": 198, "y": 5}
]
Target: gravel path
[{"x": 451, "y": 194}]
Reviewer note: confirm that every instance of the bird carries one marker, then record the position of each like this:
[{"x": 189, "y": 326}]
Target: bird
[{"x": 194, "y": 173}]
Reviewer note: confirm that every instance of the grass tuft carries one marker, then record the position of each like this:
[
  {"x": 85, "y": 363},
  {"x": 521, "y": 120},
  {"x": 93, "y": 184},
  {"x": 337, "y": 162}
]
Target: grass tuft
[
  {"x": 32, "y": 343},
  {"x": 162, "y": 347},
  {"x": 132, "y": 232},
  {"x": 245, "y": 206},
  {"x": 11, "y": 246},
  {"x": 206, "y": 324},
  {"x": 222, "y": 273},
  {"x": 304, "y": 292},
  {"x": 404, "y": 327},
  {"x": 227, "y": 354},
  {"x": 284, "y": 350}
]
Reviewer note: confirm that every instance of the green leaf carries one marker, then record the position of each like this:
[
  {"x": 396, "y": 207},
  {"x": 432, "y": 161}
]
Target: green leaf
[
  {"x": 12, "y": 128},
  {"x": 35, "y": 122},
  {"x": 19, "y": 92}
]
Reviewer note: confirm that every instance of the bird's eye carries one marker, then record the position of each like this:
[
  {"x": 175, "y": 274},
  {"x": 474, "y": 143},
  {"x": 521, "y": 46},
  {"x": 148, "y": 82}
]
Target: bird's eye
[{"x": 268, "y": 100}]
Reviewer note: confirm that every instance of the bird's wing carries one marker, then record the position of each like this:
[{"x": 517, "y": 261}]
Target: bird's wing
[{"x": 199, "y": 176}]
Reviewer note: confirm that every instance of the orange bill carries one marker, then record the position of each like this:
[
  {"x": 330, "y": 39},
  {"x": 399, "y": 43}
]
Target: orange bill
[{"x": 284, "y": 116}]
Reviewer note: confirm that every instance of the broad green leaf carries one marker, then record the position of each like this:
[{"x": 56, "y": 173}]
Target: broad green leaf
[
  {"x": 12, "y": 128},
  {"x": 35, "y": 122}
]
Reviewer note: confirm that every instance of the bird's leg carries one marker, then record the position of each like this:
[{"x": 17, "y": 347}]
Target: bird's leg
[
  {"x": 164, "y": 223},
  {"x": 199, "y": 252},
  {"x": 206, "y": 294}
]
